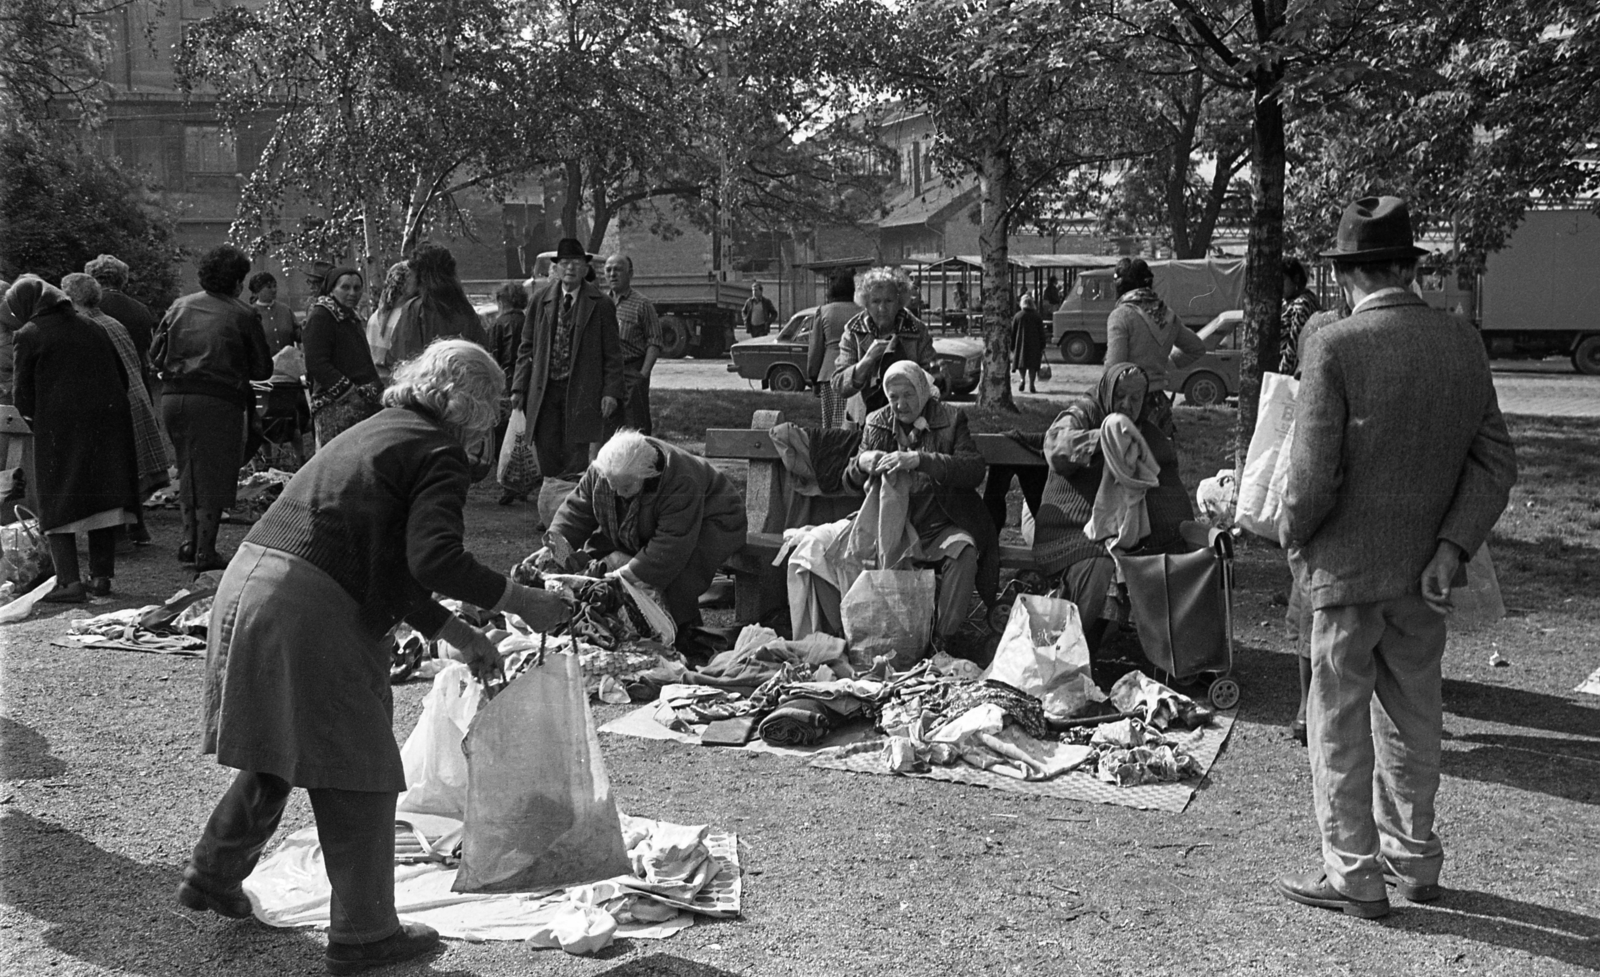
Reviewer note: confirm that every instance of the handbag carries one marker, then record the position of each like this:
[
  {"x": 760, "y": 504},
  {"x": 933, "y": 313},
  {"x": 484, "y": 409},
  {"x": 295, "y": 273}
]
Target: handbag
[
  {"x": 1181, "y": 603},
  {"x": 1045, "y": 372}
]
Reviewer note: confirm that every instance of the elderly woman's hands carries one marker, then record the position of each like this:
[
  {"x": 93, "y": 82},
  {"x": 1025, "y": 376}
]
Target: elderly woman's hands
[
  {"x": 464, "y": 643},
  {"x": 898, "y": 461},
  {"x": 541, "y": 610}
]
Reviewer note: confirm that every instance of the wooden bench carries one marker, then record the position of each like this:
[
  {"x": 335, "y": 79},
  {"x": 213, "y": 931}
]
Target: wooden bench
[{"x": 760, "y": 587}]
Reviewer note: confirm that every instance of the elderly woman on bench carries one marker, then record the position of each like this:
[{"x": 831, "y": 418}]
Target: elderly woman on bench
[
  {"x": 659, "y": 516},
  {"x": 918, "y": 437}
]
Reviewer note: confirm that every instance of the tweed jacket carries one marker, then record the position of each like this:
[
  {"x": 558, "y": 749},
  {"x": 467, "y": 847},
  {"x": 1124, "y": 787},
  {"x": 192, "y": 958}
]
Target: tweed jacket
[
  {"x": 1398, "y": 444},
  {"x": 596, "y": 365}
]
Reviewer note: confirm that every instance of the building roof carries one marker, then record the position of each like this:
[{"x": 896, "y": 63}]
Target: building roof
[{"x": 910, "y": 209}]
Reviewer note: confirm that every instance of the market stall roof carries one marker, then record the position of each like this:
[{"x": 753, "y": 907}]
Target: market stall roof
[
  {"x": 828, "y": 264},
  {"x": 1030, "y": 261}
]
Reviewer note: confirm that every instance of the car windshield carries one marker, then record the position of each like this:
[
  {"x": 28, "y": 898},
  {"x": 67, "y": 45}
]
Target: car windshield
[
  {"x": 798, "y": 327},
  {"x": 1225, "y": 328}
]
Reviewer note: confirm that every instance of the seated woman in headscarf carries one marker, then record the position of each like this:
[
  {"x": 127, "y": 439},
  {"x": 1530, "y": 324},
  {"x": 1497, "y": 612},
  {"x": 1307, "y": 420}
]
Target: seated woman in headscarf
[
  {"x": 928, "y": 442},
  {"x": 1076, "y": 462},
  {"x": 659, "y": 516}
]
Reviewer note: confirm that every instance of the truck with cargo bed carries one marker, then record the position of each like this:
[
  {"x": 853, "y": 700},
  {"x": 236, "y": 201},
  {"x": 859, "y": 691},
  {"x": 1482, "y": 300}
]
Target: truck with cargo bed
[{"x": 1198, "y": 290}]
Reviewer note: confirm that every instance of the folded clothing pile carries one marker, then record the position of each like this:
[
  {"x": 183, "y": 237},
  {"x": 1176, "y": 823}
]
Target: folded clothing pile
[
  {"x": 1137, "y": 694},
  {"x": 1130, "y": 753}
]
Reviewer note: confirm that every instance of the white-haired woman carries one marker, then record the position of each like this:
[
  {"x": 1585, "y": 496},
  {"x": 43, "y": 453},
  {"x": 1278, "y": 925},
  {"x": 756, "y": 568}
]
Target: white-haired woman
[
  {"x": 658, "y": 515},
  {"x": 917, "y": 438},
  {"x": 876, "y": 339},
  {"x": 297, "y": 670}
]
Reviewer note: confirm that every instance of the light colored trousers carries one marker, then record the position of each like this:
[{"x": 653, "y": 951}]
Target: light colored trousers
[{"x": 1375, "y": 721}]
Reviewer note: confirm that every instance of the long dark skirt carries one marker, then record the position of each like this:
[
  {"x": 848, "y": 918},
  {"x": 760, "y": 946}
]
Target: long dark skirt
[{"x": 208, "y": 435}]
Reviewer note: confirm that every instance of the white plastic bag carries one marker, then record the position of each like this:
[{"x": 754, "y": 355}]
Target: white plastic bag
[
  {"x": 435, "y": 766},
  {"x": 518, "y": 467},
  {"x": 1043, "y": 653},
  {"x": 1266, "y": 467},
  {"x": 1478, "y": 603}
]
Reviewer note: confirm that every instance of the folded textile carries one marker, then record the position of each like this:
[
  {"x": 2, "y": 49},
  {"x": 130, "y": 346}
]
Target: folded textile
[
  {"x": 1120, "y": 514},
  {"x": 683, "y": 706},
  {"x": 1137, "y": 694},
  {"x": 798, "y": 722}
]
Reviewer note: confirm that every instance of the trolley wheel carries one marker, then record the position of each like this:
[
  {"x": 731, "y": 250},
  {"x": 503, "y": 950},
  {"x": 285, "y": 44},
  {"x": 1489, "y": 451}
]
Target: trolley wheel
[
  {"x": 1223, "y": 693},
  {"x": 999, "y": 614}
]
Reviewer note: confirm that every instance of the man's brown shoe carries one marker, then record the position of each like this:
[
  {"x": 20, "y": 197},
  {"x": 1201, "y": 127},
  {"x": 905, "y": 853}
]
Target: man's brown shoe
[
  {"x": 410, "y": 941},
  {"x": 1314, "y": 889},
  {"x": 1413, "y": 891}
]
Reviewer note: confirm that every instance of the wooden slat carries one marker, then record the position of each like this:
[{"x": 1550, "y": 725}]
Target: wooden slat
[
  {"x": 997, "y": 449},
  {"x": 11, "y": 421},
  {"x": 739, "y": 443}
]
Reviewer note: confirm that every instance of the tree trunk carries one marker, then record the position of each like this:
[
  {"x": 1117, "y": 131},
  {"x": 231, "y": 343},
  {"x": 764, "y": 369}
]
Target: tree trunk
[
  {"x": 1183, "y": 243},
  {"x": 572, "y": 202},
  {"x": 1221, "y": 179},
  {"x": 1264, "y": 266},
  {"x": 599, "y": 215},
  {"x": 994, "y": 182}
]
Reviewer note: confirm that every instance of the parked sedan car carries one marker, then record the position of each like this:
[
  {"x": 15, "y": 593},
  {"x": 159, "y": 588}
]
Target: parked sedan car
[
  {"x": 779, "y": 361},
  {"x": 1213, "y": 378}
]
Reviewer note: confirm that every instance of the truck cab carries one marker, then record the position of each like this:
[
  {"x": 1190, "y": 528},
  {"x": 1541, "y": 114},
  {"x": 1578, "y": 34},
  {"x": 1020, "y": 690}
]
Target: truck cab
[{"x": 1197, "y": 290}]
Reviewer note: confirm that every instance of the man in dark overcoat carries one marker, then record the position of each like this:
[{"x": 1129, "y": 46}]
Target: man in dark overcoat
[
  {"x": 569, "y": 366},
  {"x": 1400, "y": 466}
]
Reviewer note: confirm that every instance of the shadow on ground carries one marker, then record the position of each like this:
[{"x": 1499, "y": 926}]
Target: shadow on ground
[
  {"x": 25, "y": 753},
  {"x": 1483, "y": 917}
]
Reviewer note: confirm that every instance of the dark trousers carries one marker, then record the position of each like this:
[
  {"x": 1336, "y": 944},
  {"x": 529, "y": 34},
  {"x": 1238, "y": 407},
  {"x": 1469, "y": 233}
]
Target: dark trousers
[
  {"x": 634, "y": 410},
  {"x": 102, "y": 554},
  {"x": 356, "y": 829},
  {"x": 998, "y": 485},
  {"x": 557, "y": 457}
]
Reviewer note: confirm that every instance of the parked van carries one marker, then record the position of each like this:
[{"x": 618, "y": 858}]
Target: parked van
[{"x": 1197, "y": 290}]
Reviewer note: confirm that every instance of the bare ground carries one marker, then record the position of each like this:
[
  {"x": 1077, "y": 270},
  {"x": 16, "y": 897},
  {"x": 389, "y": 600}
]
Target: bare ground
[{"x": 104, "y": 792}]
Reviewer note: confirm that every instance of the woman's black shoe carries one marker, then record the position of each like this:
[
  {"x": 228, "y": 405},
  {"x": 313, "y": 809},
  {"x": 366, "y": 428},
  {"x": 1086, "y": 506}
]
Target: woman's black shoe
[
  {"x": 99, "y": 586},
  {"x": 1297, "y": 729},
  {"x": 186, "y": 553}
]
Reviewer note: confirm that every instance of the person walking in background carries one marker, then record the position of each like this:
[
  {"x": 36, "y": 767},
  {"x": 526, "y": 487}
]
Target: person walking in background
[
  {"x": 135, "y": 316},
  {"x": 758, "y": 312},
  {"x": 397, "y": 287},
  {"x": 640, "y": 340},
  {"x": 277, "y": 321},
  {"x": 1027, "y": 344},
  {"x": 1299, "y": 305},
  {"x": 438, "y": 309},
  {"x": 150, "y": 445},
  {"x": 505, "y": 334},
  {"x": 569, "y": 366},
  {"x": 1401, "y": 465},
  {"x": 827, "y": 330},
  {"x": 207, "y": 350},
  {"x": 73, "y": 388},
  {"x": 1141, "y": 330},
  {"x": 345, "y": 386}
]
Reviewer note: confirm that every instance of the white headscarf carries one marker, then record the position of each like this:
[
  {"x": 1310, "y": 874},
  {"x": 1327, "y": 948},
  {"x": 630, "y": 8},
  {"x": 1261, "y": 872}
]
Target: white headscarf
[{"x": 921, "y": 381}]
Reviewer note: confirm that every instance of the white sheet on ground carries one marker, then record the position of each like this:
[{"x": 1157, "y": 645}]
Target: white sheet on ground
[{"x": 641, "y": 723}]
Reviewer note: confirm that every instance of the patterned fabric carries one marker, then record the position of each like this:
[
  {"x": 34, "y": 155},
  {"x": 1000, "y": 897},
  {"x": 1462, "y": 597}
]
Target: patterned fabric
[
  {"x": 151, "y": 448},
  {"x": 561, "y": 341},
  {"x": 343, "y": 407},
  {"x": 637, "y": 325},
  {"x": 1296, "y": 313},
  {"x": 832, "y": 406}
]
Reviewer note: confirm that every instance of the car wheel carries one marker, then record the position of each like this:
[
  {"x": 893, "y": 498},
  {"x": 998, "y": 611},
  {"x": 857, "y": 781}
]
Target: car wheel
[
  {"x": 1077, "y": 347},
  {"x": 674, "y": 337},
  {"x": 786, "y": 379},
  {"x": 1204, "y": 390},
  {"x": 1586, "y": 358}
]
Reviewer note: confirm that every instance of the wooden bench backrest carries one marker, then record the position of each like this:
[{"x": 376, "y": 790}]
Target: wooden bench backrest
[{"x": 763, "y": 501}]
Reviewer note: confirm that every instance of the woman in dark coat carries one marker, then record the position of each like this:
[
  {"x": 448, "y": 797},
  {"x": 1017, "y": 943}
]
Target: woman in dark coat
[
  {"x": 657, "y": 515},
  {"x": 929, "y": 442},
  {"x": 1027, "y": 344},
  {"x": 440, "y": 308},
  {"x": 72, "y": 386},
  {"x": 297, "y": 669},
  {"x": 345, "y": 387},
  {"x": 207, "y": 349}
]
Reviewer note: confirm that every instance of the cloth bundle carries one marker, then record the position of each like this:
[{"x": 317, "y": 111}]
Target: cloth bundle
[
  {"x": 1131, "y": 753},
  {"x": 1120, "y": 517},
  {"x": 1142, "y": 697}
]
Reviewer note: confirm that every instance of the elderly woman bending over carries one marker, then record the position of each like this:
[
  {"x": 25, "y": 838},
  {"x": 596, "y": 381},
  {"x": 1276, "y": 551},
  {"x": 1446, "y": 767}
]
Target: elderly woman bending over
[
  {"x": 657, "y": 515},
  {"x": 920, "y": 439},
  {"x": 876, "y": 339},
  {"x": 297, "y": 666}
]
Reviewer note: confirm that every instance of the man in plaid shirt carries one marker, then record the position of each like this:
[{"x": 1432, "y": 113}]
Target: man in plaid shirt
[{"x": 641, "y": 344}]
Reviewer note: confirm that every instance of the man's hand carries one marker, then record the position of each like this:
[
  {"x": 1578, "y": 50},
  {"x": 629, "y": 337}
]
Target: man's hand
[
  {"x": 608, "y": 406},
  {"x": 1436, "y": 576},
  {"x": 898, "y": 461}
]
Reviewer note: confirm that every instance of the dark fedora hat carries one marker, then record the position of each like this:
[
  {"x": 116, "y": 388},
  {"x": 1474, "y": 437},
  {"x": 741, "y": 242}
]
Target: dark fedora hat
[
  {"x": 1375, "y": 229},
  {"x": 571, "y": 247}
]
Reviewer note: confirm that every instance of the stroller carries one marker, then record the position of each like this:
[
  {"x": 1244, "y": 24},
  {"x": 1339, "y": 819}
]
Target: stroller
[{"x": 1182, "y": 608}]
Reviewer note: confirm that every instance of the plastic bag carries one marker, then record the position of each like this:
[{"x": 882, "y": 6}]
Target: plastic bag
[
  {"x": 552, "y": 493},
  {"x": 539, "y": 810},
  {"x": 889, "y": 612},
  {"x": 518, "y": 470},
  {"x": 1266, "y": 467},
  {"x": 435, "y": 766},
  {"x": 1479, "y": 602},
  {"x": 1043, "y": 652},
  {"x": 24, "y": 554}
]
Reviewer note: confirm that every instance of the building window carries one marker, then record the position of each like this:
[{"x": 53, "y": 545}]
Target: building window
[{"x": 209, "y": 149}]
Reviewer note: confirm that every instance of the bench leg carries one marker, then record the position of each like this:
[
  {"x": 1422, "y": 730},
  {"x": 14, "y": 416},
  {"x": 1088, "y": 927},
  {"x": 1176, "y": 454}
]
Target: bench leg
[{"x": 758, "y": 595}]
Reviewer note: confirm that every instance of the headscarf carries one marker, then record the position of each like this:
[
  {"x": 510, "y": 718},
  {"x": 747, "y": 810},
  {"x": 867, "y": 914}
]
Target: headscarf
[
  {"x": 920, "y": 381},
  {"x": 31, "y": 296},
  {"x": 325, "y": 293},
  {"x": 1094, "y": 408}
]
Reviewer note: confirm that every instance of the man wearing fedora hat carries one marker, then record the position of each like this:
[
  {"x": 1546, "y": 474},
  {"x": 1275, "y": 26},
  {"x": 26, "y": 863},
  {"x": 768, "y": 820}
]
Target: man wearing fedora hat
[
  {"x": 569, "y": 365},
  {"x": 1401, "y": 464}
]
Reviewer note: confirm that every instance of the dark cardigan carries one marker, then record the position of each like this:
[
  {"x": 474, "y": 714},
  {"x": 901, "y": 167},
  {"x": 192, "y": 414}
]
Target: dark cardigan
[
  {"x": 379, "y": 509},
  {"x": 336, "y": 351}
]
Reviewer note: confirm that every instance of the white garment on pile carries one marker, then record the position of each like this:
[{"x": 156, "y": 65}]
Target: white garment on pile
[{"x": 1120, "y": 518}]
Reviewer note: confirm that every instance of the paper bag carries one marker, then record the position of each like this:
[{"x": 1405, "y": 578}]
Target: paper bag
[
  {"x": 1043, "y": 652},
  {"x": 539, "y": 809},
  {"x": 889, "y": 612},
  {"x": 1266, "y": 467}
]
